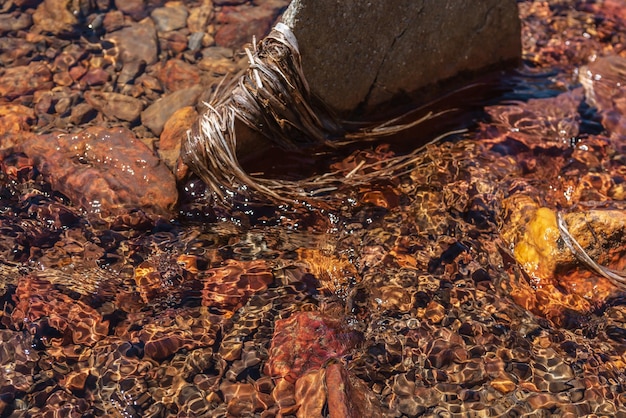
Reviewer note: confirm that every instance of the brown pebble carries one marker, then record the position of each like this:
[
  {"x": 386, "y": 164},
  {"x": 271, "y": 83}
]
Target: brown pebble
[
  {"x": 155, "y": 115},
  {"x": 82, "y": 113},
  {"x": 434, "y": 312},
  {"x": 503, "y": 385},
  {"x": 10, "y": 22},
  {"x": 199, "y": 17},
  {"x": 77, "y": 72},
  {"x": 177, "y": 75},
  {"x": 310, "y": 394},
  {"x": 113, "y": 20},
  {"x": 115, "y": 105},
  {"x": 23, "y": 80},
  {"x": 54, "y": 16},
  {"x": 176, "y": 42},
  {"x": 135, "y": 43},
  {"x": 63, "y": 79},
  {"x": 95, "y": 77},
  {"x": 104, "y": 183}
]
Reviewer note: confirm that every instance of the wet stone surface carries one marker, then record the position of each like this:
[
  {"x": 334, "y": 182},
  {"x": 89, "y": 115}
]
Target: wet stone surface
[{"x": 444, "y": 290}]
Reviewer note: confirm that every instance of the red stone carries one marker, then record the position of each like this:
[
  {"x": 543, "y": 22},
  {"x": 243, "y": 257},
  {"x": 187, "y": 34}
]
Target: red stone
[
  {"x": 178, "y": 75},
  {"x": 24, "y": 80},
  {"x": 106, "y": 172},
  {"x": 305, "y": 341}
]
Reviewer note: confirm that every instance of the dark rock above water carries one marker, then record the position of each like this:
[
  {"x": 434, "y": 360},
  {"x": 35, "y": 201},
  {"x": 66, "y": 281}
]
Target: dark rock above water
[{"x": 361, "y": 54}]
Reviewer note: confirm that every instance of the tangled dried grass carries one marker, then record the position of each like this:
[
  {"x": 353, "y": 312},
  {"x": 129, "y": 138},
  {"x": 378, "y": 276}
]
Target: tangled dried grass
[{"x": 272, "y": 97}]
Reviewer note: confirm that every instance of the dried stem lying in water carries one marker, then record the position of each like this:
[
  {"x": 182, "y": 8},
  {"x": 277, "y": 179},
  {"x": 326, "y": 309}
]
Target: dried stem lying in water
[
  {"x": 272, "y": 97},
  {"x": 615, "y": 277}
]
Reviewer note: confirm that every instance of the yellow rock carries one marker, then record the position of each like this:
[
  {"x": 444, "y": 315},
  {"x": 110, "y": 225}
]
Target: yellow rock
[
  {"x": 503, "y": 385},
  {"x": 537, "y": 248}
]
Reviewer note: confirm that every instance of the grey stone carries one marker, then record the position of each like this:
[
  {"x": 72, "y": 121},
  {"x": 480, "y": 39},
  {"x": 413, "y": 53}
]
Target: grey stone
[{"x": 358, "y": 54}]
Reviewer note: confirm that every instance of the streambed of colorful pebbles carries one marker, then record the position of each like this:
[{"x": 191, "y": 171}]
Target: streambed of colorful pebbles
[{"x": 445, "y": 291}]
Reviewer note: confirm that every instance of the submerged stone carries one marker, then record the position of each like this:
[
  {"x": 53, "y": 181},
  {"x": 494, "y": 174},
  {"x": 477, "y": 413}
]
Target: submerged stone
[
  {"x": 358, "y": 54},
  {"x": 106, "y": 172}
]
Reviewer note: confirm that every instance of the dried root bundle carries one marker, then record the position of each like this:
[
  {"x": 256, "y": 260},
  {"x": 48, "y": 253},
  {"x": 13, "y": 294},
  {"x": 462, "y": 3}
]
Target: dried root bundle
[{"x": 272, "y": 97}]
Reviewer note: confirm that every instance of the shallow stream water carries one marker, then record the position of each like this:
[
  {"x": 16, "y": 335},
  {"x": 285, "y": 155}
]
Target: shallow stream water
[{"x": 445, "y": 290}]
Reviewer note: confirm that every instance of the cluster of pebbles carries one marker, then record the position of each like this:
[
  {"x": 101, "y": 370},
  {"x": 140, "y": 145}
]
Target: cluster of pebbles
[{"x": 407, "y": 297}]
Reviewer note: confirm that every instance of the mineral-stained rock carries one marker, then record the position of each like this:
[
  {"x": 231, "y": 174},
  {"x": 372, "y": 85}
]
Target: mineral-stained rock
[
  {"x": 310, "y": 394},
  {"x": 177, "y": 75},
  {"x": 348, "y": 396},
  {"x": 115, "y": 105},
  {"x": 23, "y": 80},
  {"x": 155, "y": 116},
  {"x": 305, "y": 341},
  {"x": 106, "y": 172},
  {"x": 40, "y": 306},
  {"x": 54, "y": 16},
  {"x": 414, "y": 45},
  {"x": 136, "y": 43},
  {"x": 176, "y": 42},
  {"x": 558, "y": 124},
  {"x": 560, "y": 279},
  {"x": 230, "y": 286},
  {"x": 174, "y": 131}
]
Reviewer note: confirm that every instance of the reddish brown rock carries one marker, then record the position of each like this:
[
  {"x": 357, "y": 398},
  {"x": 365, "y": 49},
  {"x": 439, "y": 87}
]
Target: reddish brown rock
[
  {"x": 171, "y": 17},
  {"x": 14, "y": 21},
  {"x": 174, "y": 131},
  {"x": 310, "y": 394},
  {"x": 15, "y": 122},
  {"x": 113, "y": 21},
  {"x": 137, "y": 9},
  {"x": 39, "y": 305},
  {"x": 136, "y": 43},
  {"x": 348, "y": 396},
  {"x": 106, "y": 172},
  {"x": 15, "y": 118},
  {"x": 305, "y": 341},
  {"x": 54, "y": 16},
  {"x": 177, "y": 75},
  {"x": 199, "y": 17},
  {"x": 175, "y": 42},
  {"x": 155, "y": 116},
  {"x": 240, "y": 24},
  {"x": 77, "y": 72},
  {"x": 230, "y": 286},
  {"x": 95, "y": 77},
  {"x": 115, "y": 105},
  {"x": 24, "y": 80}
]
